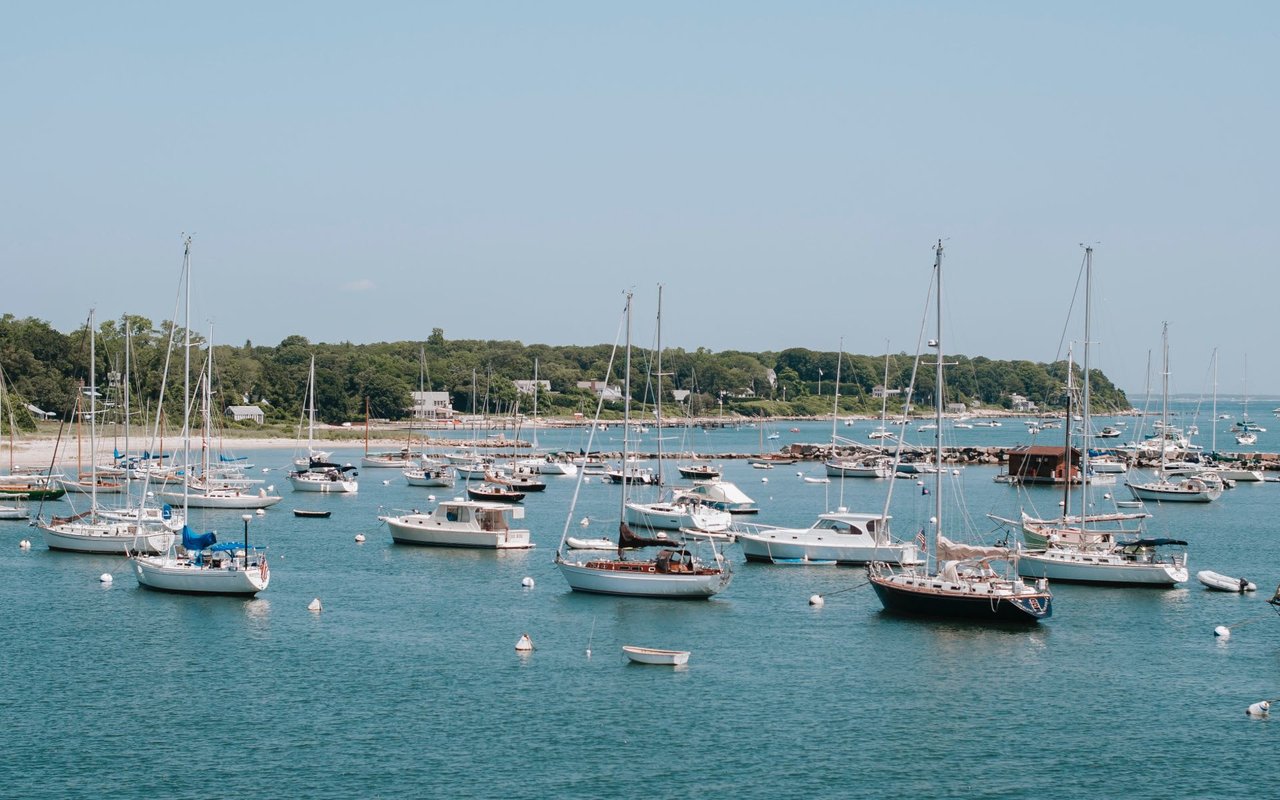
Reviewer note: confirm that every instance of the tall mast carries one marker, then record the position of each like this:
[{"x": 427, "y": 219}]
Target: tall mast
[
  {"x": 626, "y": 414},
  {"x": 1066, "y": 447},
  {"x": 658, "y": 403},
  {"x": 1213, "y": 426},
  {"x": 835, "y": 409},
  {"x": 1164, "y": 413},
  {"x": 186, "y": 377},
  {"x": 535, "y": 402},
  {"x": 93, "y": 415},
  {"x": 1085, "y": 399},
  {"x": 937, "y": 402}
]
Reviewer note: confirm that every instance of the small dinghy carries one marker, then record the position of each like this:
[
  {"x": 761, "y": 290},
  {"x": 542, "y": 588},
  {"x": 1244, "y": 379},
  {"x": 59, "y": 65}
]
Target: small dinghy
[
  {"x": 1224, "y": 583},
  {"x": 590, "y": 544},
  {"x": 298, "y": 512},
  {"x": 804, "y": 562},
  {"x": 649, "y": 655}
]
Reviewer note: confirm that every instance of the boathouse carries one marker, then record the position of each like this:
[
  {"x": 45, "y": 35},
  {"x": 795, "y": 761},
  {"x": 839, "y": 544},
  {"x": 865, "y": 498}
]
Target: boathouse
[{"x": 1043, "y": 464}]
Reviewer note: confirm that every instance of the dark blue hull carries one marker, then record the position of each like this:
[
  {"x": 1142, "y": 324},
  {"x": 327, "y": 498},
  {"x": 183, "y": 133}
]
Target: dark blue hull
[{"x": 903, "y": 600}]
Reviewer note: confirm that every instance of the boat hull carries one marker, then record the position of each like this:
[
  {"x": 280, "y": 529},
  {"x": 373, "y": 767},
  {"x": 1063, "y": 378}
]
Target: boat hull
[
  {"x": 584, "y": 578},
  {"x": 1173, "y": 494},
  {"x": 222, "y": 500},
  {"x": 167, "y": 574},
  {"x": 1099, "y": 569},
  {"x": 323, "y": 486},
  {"x": 922, "y": 601},
  {"x": 111, "y": 538},
  {"x": 650, "y": 655},
  {"x": 769, "y": 547},
  {"x": 429, "y": 534}
]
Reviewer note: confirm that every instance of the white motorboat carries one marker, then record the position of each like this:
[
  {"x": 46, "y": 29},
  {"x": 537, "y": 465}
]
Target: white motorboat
[
  {"x": 650, "y": 655},
  {"x": 675, "y": 515},
  {"x": 462, "y": 523},
  {"x": 722, "y": 495},
  {"x": 437, "y": 477},
  {"x": 841, "y": 537}
]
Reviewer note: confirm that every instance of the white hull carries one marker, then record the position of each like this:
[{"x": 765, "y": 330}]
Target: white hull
[
  {"x": 1240, "y": 475},
  {"x": 838, "y": 469},
  {"x": 590, "y": 544},
  {"x": 791, "y": 544},
  {"x": 583, "y": 578},
  {"x": 76, "y": 487},
  {"x": 114, "y": 538},
  {"x": 649, "y": 655},
  {"x": 180, "y": 575},
  {"x": 556, "y": 468},
  {"x": 480, "y": 525},
  {"x": 1175, "y": 492},
  {"x": 1224, "y": 583},
  {"x": 396, "y": 461},
  {"x": 13, "y": 512},
  {"x": 225, "y": 498},
  {"x": 322, "y": 484},
  {"x": 1099, "y": 567},
  {"x": 423, "y": 478},
  {"x": 669, "y": 516}
]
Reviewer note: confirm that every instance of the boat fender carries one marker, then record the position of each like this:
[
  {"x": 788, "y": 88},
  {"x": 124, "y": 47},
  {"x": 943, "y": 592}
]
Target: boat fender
[{"x": 1259, "y": 709}]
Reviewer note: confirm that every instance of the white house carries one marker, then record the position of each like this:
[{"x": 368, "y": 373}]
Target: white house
[
  {"x": 526, "y": 387},
  {"x": 1019, "y": 403},
  {"x": 242, "y": 413},
  {"x": 431, "y": 405},
  {"x": 602, "y": 389}
]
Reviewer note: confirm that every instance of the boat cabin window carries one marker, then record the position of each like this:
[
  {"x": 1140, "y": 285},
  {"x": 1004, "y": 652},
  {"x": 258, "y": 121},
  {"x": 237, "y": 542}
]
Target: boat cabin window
[{"x": 492, "y": 519}]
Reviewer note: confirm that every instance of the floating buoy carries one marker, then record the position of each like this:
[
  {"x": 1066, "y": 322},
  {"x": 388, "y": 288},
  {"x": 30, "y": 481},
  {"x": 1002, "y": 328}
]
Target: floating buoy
[
  {"x": 1106, "y": 496},
  {"x": 1223, "y": 631},
  {"x": 524, "y": 644},
  {"x": 799, "y": 474},
  {"x": 359, "y": 538},
  {"x": 585, "y": 521},
  {"x": 266, "y": 469},
  {"x": 764, "y": 480},
  {"x": 527, "y": 582},
  {"x": 816, "y": 601},
  {"x": 386, "y": 483},
  {"x": 315, "y": 605},
  {"x": 431, "y": 497},
  {"x": 25, "y": 544},
  {"x": 262, "y": 512},
  {"x": 919, "y": 483},
  {"x": 1259, "y": 709},
  {"x": 585, "y": 479},
  {"x": 588, "y": 652},
  {"x": 955, "y": 472},
  {"x": 106, "y": 577}
]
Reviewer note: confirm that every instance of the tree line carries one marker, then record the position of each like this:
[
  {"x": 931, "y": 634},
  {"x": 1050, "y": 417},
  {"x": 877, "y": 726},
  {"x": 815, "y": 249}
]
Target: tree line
[{"x": 45, "y": 368}]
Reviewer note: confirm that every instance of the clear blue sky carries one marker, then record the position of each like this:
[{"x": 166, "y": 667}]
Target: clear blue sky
[{"x": 366, "y": 172}]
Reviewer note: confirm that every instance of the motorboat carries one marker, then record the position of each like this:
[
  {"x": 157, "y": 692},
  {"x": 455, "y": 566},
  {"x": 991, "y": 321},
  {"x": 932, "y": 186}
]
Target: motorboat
[
  {"x": 721, "y": 495},
  {"x": 840, "y": 537},
  {"x": 462, "y": 523}
]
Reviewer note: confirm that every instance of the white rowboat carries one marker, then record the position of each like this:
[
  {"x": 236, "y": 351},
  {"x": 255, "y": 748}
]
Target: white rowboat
[{"x": 649, "y": 655}]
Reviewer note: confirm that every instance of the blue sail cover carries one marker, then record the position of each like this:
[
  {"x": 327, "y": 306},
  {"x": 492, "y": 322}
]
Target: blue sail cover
[
  {"x": 197, "y": 541},
  {"x": 223, "y": 458}
]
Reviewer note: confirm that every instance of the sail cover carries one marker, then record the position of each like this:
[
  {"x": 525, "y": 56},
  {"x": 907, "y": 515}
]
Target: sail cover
[
  {"x": 954, "y": 551},
  {"x": 197, "y": 541}
]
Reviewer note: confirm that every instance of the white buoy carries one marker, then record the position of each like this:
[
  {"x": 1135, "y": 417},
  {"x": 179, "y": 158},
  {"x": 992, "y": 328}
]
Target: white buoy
[
  {"x": 1259, "y": 709},
  {"x": 799, "y": 474},
  {"x": 764, "y": 480},
  {"x": 106, "y": 577},
  {"x": 919, "y": 483},
  {"x": 431, "y": 497},
  {"x": 588, "y": 652},
  {"x": 585, "y": 521},
  {"x": 386, "y": 483},
  {"x": 1106, "y": 496},
  {"x": 266, "y": 469},
  {"x": 955, "y": 472},
  {"x": 1223, "y": 631},
  {"x": 262, "y": 512},
  {"x": 527, "y": 582},
  {"x": 315, "y": 605},
  {"x": 524, "y": 644},
  {"x": 25, "y": 544},
  {"x": 816, "y": 601},
  {"x": 585, "y": 479},
  {"x": 359, "y": 538}
]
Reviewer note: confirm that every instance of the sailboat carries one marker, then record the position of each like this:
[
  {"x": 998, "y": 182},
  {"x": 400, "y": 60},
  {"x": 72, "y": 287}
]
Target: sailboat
[
  {"x": 1247, "y": 430},
  {"x": 90, "y": 531},
  {"x": 18, "y": 511},
  {"x": 866, "y": 465},
  {"x": 1076, "y": 552},
  {"x": 882, "y": 432},
  {"x": 320, "y": 475},
  {"x": 673, "y": 572},
  {"x": 201, "y": 564},
  {"x": 679, "y": 512},
  {"x": 216, "y": 486},
  {"x": 1199, "y": 488},
  {"x": 963, "y": 583}
]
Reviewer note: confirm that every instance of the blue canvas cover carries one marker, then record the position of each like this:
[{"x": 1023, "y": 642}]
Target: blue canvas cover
[{"x": 197, "y": 541}]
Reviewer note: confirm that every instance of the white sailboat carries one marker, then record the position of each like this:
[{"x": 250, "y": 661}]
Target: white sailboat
[
  {"x": 1191, "y": 489},
  {"x": 676, "y": 512},
  {"x": 201, "y": 564},
  {"x": 963, "y": 583},
  {"x": 320, "y": 475},
  {"x": 90, "y": 531},
  {"x": 673, "y": 572},
  {"x": 1081, "y": 554}
]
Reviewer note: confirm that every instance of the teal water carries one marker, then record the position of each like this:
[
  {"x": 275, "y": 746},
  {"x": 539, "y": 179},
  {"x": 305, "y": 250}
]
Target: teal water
[{"x": 408, "y": 684}]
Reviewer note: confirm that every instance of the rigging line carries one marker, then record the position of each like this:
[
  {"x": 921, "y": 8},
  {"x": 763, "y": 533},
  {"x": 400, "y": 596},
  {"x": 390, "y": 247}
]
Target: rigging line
[
  {"x": 846, "y": 589},
  {"x": 1071, "y": 308},
  {"x": 582, "y": 472},
  {"x": 910, "y": 392}
]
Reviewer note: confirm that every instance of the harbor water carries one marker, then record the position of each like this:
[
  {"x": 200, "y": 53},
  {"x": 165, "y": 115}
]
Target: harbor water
[{"x": 408, "y": 684}]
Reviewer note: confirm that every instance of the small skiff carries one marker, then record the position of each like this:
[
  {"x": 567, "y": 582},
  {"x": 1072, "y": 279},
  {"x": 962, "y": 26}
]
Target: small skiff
[
  {"x": 1224, "y": 583},
  {"x": 298, "y": 512},
  {"x": 648, "y": 655}
]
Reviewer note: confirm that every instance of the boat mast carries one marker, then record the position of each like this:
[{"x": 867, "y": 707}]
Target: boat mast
[
  {"x": 186, "y": 378},
  {"x": 658, "y": 402},
  {"x": 835, "y": 409},
  {"x": 626, "y": 416},
  {"x": 93, "y": 415},
  {"x": 937, "y": 402},
  {"x": 1066, "y": 447},
  {"x": 311, "y": 408},
  {"x": 1213, "y": 426},
  {"x": 1085, "y": 399},
  {"x": 1164, "y": 411},
  {"x": 535, "y": 403}
]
